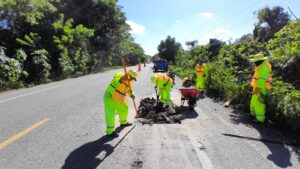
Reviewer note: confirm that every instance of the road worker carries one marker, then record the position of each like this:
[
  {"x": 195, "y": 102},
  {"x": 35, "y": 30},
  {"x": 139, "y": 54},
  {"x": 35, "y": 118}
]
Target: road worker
[
  {"x": 164, "y": 84},
  {"x": 261, "y": 83},
  {"x": 201, "y": 72},
  {"x": 115, "y": 100}
]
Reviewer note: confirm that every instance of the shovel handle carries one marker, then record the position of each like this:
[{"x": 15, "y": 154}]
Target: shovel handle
[{"x": 124, "y": 67}]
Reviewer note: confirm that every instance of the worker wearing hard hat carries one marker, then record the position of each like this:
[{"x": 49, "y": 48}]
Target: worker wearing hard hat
[
  {"x": 164, "y": 84},
  {"x": 201, "y": 72},
  {"x": 261, "y": 83},
  {"x": 115, "y": 100}
]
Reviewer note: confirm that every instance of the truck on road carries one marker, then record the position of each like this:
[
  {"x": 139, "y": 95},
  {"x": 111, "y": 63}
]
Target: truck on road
[{"x": 161, "y": 65}]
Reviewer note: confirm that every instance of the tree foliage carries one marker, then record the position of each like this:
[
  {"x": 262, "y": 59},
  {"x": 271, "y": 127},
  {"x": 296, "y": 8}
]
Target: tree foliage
[
  {"x": 64, "y": 38},
  {"x": 285, "y": 52},
  {"x": 71, "y": 43},
  {"x": 168, "y": 49},
  {"x": 270, "y": 21},
  {"x": 213, "y": 48},
  {"x": 230, "y": 70},
  {"x": 11, "y": 69}
]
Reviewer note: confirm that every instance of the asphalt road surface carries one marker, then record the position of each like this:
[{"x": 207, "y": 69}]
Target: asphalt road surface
[{"x": 61, "y": 125}]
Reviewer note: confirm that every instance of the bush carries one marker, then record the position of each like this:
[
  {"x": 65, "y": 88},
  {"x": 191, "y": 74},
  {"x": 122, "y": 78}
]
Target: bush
[
  {"x": 285, "y": 53},
  {"x": 229, "y": 74},
  {"x": 11, "y": 70},
  {"x": 40, "y": 65},
  {"x": 283, "y": 104},
  {"x": 221, "y": 81}
]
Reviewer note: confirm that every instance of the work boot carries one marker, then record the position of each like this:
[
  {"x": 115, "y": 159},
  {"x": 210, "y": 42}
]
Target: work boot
[
  {"x": 126, "y": 125},
  {"x": 113, "y": 134}
]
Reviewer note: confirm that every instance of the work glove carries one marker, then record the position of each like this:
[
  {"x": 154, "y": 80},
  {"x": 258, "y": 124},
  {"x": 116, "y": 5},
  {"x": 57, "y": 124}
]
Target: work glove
[{"x": 132, "y": 96}]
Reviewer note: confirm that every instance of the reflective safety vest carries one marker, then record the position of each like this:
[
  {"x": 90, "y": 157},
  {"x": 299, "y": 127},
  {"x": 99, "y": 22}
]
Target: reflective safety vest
[
  {"x": 200, "y": 69},
  {"x": 262, "y": 76},
  {"x": 119, "y": 90},
  {"x": 163, "y": 80}
]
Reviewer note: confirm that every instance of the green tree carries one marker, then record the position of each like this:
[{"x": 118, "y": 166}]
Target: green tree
[
  {"x": 11, "y": 69},
  {"x": 40, "y": 65},
  {"x": 108, "y": 22},
  {"x": 247, "y": 38},
  {"x": 270, "y": 21},
  {"x": 37, "y": 63},
  {"x": 213, "y": 48},
  {"x": 200, "y": 52},
  {"x": 32, "y": 11},
  {"x": 134, "y": 53},
  {"x": 63, "y": 38},
  {"x": 168, "y": 49},
  {"x": 71, "y": 43},
  {"x": 285, "y": 53},
  {"x": 20, "y": 17}
]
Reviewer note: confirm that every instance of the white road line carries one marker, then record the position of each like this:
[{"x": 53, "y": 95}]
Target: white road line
[
  {"x": 204, "y": 160},
  {"x": 29, "y": 93}
]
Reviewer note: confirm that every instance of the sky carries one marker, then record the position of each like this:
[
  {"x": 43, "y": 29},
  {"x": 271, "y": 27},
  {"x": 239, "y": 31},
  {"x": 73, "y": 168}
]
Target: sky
[{"x": 187, "y": 20}]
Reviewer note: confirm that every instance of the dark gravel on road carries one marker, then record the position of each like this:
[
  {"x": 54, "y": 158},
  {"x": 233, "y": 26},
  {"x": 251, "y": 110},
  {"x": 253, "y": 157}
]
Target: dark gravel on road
[{"x": 151, "y": 112}]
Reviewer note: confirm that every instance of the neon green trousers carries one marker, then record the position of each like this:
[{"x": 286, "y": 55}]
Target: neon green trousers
[
  {"x": 258, "y": 108},
  {"x": 110, "y": 108},
  {"x": 200, "y": 82},
  {"x": 165, "y": 94}
]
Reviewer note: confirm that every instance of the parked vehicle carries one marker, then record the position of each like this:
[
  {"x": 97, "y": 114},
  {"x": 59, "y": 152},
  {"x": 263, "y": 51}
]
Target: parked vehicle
[{"x": 161, "y": 65}]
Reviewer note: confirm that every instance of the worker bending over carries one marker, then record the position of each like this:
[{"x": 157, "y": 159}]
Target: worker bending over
[
  {"x": 164, "y": 84},
  {"x": 115, "y": 100}
]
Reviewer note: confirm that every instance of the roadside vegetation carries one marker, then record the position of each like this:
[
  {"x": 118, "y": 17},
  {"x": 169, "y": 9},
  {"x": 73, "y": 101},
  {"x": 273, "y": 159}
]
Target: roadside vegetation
[
  {"x": 46, "y": 40},
  {"x": 276, "y": 36}
]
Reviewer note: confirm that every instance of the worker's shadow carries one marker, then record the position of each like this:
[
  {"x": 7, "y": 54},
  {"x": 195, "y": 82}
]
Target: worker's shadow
[
  {"x": 275, "y": 142},
  {"x": 188, "y": 112},
  {"x": 84, "y": 157}
]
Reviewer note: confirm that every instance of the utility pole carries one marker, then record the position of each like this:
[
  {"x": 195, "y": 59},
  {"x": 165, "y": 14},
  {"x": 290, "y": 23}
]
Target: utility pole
[{"x": 293, "y": 13}]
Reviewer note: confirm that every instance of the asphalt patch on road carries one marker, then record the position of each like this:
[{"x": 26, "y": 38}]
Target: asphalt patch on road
[
  {"x": 137, "y": 164},
  {"x": 151, "y": 112}
]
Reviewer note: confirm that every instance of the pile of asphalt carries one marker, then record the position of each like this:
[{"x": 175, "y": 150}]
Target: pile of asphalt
[{"x": 151, "y": 112}]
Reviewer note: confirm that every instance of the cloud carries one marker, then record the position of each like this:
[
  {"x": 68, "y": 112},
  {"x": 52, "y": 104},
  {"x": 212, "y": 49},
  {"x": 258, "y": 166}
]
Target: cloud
[
  {"x": 136, "y": 28},
  {"x": 207, "y": 15}
]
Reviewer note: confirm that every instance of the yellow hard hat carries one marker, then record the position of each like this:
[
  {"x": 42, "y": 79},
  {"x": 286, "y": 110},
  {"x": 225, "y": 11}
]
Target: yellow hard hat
[
  {"x": 132, "y": 73},
  {"x": 258, "y": 57},
  {"x": 154, "y": 78}
]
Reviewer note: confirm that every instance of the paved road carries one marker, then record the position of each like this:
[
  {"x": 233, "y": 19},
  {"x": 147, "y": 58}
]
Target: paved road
[{"x": 61, "y": 125}]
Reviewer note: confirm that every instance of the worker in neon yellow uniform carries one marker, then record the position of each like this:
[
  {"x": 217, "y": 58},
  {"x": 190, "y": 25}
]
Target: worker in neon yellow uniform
[
  {"x": 201, "y": 72},
  {"x": 261, "y": 83},
  {"x": 115, "y": 100},
  {"x": 164, "y": 84}
]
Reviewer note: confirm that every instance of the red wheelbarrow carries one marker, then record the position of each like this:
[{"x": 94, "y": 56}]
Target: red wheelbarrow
[{"x": 190, "y": 95}]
